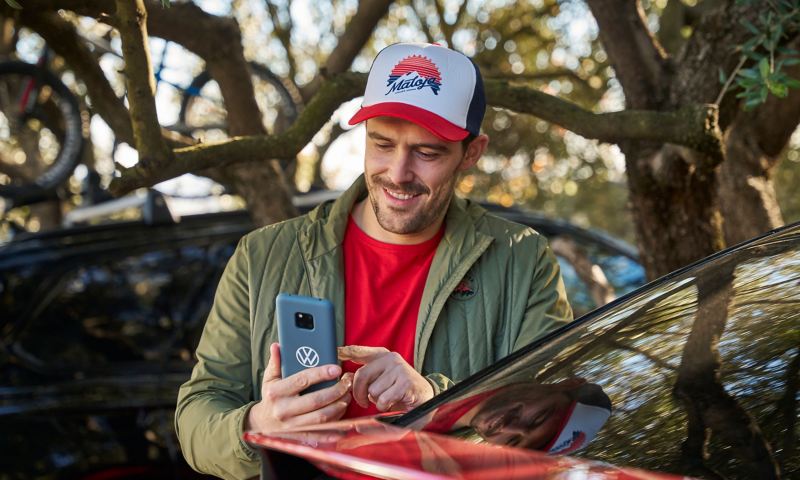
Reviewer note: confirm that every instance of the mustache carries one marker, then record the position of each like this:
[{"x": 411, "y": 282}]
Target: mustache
[{"x": 406, "y": 188}]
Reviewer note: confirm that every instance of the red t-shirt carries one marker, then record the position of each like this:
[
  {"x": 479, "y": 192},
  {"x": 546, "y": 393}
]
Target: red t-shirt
[{"x": 383, "y": 291}]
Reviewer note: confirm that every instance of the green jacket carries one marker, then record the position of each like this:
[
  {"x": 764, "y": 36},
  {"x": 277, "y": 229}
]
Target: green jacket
[{"x": 511, "y": 293}]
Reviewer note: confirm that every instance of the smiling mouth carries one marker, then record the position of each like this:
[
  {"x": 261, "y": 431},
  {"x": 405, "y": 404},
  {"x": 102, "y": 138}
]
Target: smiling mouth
[{"x": 400, "y": 195}]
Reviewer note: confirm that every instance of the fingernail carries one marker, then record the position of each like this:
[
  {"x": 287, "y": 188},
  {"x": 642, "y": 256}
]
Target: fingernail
[{"x": 333, "y": 370}]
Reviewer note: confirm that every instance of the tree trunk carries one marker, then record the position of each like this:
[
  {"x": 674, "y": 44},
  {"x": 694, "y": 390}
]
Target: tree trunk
[
  {"x": 753, "y": 145},
  {"x": 746, "y": 191},
  {"x": 675, "y": 191}
]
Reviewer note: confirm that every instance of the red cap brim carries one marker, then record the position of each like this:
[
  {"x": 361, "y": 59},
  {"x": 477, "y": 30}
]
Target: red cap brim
[{"x": 432, "y": 122}]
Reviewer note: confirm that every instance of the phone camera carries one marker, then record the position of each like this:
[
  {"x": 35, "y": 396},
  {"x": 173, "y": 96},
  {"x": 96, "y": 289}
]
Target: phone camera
[{"x": 304, "y": 320}]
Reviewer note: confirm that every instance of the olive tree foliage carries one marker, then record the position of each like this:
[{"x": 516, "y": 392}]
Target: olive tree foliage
[{"x": 561, "y": 110}]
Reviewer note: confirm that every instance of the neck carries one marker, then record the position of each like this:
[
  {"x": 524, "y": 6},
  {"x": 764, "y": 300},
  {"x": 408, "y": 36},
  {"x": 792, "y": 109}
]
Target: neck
[{"x": 365, "y": 218}]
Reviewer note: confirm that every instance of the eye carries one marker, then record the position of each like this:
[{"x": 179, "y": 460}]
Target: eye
[
  {"x": 383, "y": 146},
  {"x": 426, "y": 155}
]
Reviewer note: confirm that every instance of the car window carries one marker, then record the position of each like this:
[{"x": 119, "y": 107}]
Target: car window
[
  {"x": 594, "y": 274},
  {"x": 701, "y": 370}
]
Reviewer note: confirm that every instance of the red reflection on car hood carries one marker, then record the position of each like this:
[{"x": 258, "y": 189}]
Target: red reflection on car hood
[{"x": 367, "y": 448}]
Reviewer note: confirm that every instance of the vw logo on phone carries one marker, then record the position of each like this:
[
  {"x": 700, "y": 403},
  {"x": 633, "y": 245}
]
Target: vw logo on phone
[{"x": 307, "y": 356}]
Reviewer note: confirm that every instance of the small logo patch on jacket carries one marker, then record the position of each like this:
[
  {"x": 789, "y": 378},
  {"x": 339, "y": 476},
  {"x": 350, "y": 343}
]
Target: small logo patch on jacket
[{"x": 466, "y": 288}]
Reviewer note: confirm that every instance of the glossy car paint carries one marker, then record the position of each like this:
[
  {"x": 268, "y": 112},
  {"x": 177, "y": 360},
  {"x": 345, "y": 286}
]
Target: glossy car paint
[{"x": 368, "y": 448}]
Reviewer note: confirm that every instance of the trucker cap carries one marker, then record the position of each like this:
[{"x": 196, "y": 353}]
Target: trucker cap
[
  {"x": 435, "y": 87},
  {"x": 585, "y": 417}
]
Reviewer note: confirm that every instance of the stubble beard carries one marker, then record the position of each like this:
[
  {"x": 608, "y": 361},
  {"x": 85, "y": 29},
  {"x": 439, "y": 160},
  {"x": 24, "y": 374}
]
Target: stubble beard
[{"x": 399, "y": 222}]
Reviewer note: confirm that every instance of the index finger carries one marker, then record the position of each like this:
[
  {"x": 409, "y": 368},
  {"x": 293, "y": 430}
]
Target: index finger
[
  {"x": 294, "y": 384},
  {"x": 359, "y": 353}
]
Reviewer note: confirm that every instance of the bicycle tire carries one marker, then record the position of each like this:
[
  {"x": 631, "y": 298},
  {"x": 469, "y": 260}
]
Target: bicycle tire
[
  {"x": 290, "y": 101},
  {"x": 71, "y": 131}
]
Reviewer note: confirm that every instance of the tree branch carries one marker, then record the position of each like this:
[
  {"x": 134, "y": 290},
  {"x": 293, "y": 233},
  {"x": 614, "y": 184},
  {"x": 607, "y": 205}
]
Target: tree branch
[
  {"x": 693, "y": 126},
  {"x": 423, "y": 23},
  {"x": 446, "y": 29},
  {"x": 284, "y": 34},
  {"x": 140, "y": 82},
  {"x": 638, "y": 60},
  {"x": 349, "y": 43},
  {"x": 221, "y": 47},
  {"x": 252, "y": 148},
  {"x": 590, "y": 273},
  {"x": 61, "y": 36},
  {"x": 541, "y": 75}
]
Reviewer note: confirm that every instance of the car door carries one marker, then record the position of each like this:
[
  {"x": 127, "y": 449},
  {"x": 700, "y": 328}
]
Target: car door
[{"x": 701, "y": 368}]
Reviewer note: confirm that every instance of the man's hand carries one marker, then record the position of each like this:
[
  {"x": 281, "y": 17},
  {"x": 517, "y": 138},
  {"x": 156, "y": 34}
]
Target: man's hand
[
  {"x": 281, "y": 404},
  {"x": 386, "y": 379}
]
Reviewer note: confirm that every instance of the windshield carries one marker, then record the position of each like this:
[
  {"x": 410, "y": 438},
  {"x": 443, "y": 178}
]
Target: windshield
[{"x": 694, "y": 374}]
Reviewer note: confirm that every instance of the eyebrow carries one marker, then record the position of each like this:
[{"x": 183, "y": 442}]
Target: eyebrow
[{"x": 432, "y": 146}]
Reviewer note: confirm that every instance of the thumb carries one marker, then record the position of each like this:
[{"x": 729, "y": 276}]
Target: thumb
[{"x": 273, "y": 370}]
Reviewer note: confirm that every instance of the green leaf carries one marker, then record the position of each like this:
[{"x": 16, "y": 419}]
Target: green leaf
[
  {"x": 748, "y": 82},
  {"x": 14, "y": 4},
  {"x": 752, "y": 103},
  {"x": 749, "y": 25},
  {"x": 165, "y": 3},
  {"x": 722, "y": 77},
  {"x": 763, "y": 93},
  {"x": 779, "y": 90},
  {"x": 763, "y": 67},
  {"x": 788, "y": 62},
  {"x": 792, "y": 83},
  {"x": 751, "y": 44},
  {"x": 749, "y": 73}
]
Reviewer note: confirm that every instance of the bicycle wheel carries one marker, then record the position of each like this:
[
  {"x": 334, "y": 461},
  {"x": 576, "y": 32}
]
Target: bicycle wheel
[
  {"x": 203, "y": 114},
  {"x": 41, "y": 132}
]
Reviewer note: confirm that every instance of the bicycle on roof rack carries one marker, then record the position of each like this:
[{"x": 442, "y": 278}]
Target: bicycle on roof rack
[{"x": 43, "y": 131}]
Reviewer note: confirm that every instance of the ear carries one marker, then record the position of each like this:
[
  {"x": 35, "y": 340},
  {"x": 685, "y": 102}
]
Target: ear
[{"x": 474, "y": 152}]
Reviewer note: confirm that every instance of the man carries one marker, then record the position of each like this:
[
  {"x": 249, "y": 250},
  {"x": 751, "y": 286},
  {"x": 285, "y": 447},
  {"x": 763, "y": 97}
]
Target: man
[{"x": 428, "y": 288}]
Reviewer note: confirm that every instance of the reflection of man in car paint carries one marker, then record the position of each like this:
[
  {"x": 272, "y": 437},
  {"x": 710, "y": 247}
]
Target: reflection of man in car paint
[{"x": 557, "y": 418}]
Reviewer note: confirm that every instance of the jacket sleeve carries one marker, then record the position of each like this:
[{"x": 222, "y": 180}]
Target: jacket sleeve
[
  {"x": 547, "y": 305},
  {"x": 213, "y": 403},
  {"x": 439, "y": 382}
]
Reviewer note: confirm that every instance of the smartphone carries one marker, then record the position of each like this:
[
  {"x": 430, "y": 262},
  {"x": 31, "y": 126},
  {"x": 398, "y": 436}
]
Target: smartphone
[{"x": 307, "y": 335}]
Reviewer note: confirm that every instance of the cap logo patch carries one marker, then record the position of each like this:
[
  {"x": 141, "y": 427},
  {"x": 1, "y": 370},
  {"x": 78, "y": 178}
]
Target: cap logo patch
[
  {"x": 414, "y": 72},
  {"x": 571, "y": 444}
]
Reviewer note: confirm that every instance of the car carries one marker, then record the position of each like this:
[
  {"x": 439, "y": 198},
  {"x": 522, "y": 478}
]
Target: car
[
  {"x": 99, "y": 324},
  {"x": 701, "y": 370}
]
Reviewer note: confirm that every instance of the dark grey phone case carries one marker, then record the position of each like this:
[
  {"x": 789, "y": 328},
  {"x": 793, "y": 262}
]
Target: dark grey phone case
[{"x": 303, "y": 348}]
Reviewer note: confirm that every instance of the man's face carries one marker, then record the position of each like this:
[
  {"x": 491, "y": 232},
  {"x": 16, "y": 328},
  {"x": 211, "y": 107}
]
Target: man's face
[
  {"x": 525, "y": 415},
  {"x": 410, "y": 174}
]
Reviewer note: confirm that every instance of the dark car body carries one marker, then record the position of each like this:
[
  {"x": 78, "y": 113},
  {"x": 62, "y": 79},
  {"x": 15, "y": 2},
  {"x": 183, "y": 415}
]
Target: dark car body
[
  {"x": 702, "y": 368},
  {"x": 99, "y": 325}
]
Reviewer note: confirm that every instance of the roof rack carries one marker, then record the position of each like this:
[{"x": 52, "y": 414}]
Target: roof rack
[{"x": 152, "y": 204}]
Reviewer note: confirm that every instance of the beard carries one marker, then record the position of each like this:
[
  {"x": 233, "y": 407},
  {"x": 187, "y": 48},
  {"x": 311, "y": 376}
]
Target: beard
[{"x": 408, "y": 221}]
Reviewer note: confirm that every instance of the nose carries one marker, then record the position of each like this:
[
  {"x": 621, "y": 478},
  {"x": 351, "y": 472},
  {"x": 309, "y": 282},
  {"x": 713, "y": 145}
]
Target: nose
[{"x": 400, "y": 169}]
